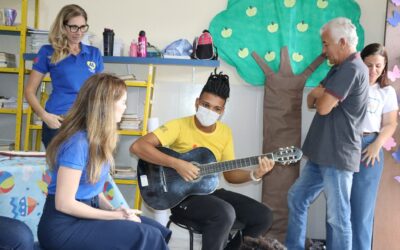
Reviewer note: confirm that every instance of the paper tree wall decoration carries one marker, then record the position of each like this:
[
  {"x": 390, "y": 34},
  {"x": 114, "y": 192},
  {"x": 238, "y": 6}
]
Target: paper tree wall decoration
[{"x": 267, "y": 26}]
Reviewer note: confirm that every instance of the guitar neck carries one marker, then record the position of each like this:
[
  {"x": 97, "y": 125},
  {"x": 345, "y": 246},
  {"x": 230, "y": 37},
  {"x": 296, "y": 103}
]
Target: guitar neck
[{"x": 218, "y": 167}]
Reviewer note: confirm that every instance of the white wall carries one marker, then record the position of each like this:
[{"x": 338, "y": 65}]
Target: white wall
[
  {"x": 166, "y": 21},
  {"x": 176, "y": 87}
]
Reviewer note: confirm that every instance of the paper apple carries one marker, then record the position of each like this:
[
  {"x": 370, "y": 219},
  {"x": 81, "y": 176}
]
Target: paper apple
[
  {"x": 273, "y": 27},
  {"x": 297, "y": 57},
  {"x": 270, "y": 56},
  {"x": 322, "y": 4},
  {"x": 243, "y": 52},
  {"x": 226, "y": 32},
  {"x": 302, "y": 26},
  {"x": 251, "y": 11},
  {"x": 289, "y": 3}
]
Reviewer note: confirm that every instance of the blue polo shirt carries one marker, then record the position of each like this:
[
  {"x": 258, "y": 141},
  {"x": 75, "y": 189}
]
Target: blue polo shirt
[
  {"x": 74, "y": 154},
  {"x": 68, "y": 75}
]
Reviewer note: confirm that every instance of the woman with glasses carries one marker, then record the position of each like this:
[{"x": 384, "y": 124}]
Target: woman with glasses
[{"x": 69, "y": 63}]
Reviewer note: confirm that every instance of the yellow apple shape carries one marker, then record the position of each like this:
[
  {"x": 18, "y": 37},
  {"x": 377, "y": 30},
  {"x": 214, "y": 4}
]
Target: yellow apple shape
[
  {"x": 273, "y": 27},
  {"x": 322, "y": 4},
  {"x": 297, "y": 57},
  {"x": 302, "y": 26},
  {"x": 251, "y": 11},
  {"x": 289, "y": 3},
  {"x": 270, "y": 56},
  {"x": 226, "y": 32},
  {"x": 243, "y": 53}
]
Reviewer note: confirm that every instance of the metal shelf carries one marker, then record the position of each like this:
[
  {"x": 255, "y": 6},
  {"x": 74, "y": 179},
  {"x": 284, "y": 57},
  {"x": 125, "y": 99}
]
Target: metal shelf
[
  {"x": 130, "y": 132},
  {"x": 16, "y": 28},
  {"x": 9, "y": 70},
  {"x": 149, "y": 60}
]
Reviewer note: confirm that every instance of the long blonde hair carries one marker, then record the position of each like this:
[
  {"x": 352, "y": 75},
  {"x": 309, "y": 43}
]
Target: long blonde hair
[
  {"x": 93, "y": 112},
  {"x": 58, "y": 32}
]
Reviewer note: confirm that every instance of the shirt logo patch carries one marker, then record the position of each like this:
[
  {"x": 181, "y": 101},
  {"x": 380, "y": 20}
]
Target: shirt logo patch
[
  {"x": 91, "y": 65},
  {"x": 36, "y": 60},
  {"x": 373, "y": 105},
  {"x": 164, "y": 128}
]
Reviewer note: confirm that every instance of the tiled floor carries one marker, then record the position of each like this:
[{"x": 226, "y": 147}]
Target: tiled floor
[{"x": 180, "y": 239}]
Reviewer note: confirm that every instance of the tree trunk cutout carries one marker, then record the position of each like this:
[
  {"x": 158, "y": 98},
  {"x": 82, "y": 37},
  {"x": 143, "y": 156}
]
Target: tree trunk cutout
[{"x": 282, "y": 127}]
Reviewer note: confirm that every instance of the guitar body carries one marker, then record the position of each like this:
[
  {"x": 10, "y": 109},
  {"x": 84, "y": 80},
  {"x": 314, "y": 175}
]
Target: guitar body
[{"x": 162, "y": 187}]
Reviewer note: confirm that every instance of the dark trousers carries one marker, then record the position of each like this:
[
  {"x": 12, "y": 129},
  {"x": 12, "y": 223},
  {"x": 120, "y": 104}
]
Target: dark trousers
[
  {"x": 61, "y": 231},
  {"x": 15, "y": 234},
  {"x": 217, "y": 212},
  {"x": 47, "y": 134}
]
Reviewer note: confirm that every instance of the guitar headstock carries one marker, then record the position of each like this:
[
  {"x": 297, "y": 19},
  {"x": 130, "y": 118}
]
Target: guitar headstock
[{"x": 287, "y": 155}]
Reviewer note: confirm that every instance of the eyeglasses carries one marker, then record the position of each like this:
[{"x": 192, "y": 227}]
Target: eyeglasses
[{"x": 75, "y": 28}]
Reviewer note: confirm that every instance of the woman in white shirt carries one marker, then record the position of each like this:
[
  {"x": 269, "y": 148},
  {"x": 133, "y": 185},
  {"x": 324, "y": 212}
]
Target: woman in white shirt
[{"x": 379, "y": 125}]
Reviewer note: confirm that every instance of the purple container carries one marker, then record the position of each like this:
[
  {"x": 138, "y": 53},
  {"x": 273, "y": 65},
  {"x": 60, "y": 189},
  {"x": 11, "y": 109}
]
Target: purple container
[{"x": 9, "y": 16}]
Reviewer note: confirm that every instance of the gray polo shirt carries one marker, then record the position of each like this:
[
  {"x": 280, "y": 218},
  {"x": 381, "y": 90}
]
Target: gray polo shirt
[{"x": 335, "y": 139}]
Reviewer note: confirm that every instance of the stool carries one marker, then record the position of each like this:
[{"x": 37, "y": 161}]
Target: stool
[{"x": 193, "y": 227}]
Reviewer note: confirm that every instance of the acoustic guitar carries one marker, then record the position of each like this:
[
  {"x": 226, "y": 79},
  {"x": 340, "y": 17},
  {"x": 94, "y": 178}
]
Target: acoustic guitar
[{"x": 162, "y": 187}]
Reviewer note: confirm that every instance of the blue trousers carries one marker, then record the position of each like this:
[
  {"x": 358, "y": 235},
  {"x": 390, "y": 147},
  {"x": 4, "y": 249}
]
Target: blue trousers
[
  {"x": 363, "y": 198},
  {"x": 61, "y": 231},
  {"x": 336, "y": 185},
  {"x": 15, "y": 234},
  {"x": 47, "y": 134}
]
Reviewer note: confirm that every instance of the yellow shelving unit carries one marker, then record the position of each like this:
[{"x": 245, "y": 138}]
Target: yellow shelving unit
[
  {"x": 30, "y": 127},
  {"x": 149, "y": 86},
  {"x": 21, "y": 30}
]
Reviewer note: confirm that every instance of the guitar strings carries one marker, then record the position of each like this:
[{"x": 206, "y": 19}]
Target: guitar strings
[{"x": 216, "y": 167}]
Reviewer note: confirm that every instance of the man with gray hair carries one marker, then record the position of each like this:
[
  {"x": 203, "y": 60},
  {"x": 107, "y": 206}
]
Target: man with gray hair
[{"x": 333, "y": 142}]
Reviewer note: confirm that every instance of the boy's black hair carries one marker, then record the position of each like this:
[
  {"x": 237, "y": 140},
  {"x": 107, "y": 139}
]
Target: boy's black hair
[{"x": 217, "y": 84}]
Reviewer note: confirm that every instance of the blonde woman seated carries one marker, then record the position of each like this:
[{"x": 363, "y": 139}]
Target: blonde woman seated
[{"x": 76, "y": 214}]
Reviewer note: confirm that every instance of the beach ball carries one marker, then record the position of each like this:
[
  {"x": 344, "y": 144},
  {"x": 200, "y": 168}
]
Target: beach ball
[{"x": 6, "y": 182}]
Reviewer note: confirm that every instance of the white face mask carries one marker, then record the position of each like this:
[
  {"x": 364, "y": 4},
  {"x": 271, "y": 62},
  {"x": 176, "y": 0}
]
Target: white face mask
[{"x": 206, "y": 116}]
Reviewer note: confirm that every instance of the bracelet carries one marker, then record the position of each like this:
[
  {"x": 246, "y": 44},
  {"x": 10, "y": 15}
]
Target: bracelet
[{"x": 253, "y": 178}]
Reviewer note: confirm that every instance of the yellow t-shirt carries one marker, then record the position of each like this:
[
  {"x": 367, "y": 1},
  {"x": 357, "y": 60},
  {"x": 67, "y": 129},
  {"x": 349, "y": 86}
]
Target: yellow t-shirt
[{"x": 182, "y": 135}]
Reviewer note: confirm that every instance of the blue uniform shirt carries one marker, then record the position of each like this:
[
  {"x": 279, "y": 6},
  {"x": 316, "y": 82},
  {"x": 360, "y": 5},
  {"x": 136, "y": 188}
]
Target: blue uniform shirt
[
  {"x": 68, "y": 75},
  {"x": 74, "y": 154}
]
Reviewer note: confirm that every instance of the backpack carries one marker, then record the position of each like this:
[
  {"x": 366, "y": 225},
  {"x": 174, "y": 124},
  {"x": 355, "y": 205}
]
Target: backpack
[{"x": 203, "y": 47}]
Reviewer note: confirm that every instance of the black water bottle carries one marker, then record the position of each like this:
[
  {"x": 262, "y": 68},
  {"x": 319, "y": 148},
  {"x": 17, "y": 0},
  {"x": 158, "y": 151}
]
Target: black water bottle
[{"x": 108, "y": 42}]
